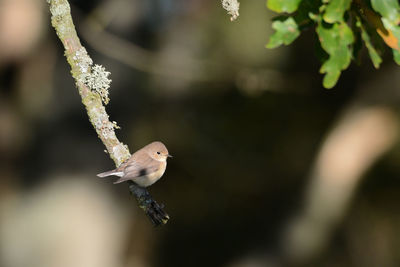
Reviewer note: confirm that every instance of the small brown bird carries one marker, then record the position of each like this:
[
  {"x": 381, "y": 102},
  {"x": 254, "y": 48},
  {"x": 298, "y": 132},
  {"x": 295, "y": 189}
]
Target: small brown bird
[{"x": 144, "y": 167}]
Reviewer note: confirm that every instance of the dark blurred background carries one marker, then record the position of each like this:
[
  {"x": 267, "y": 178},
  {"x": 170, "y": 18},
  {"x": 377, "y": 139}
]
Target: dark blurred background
[{"x": 269, "y": 168}]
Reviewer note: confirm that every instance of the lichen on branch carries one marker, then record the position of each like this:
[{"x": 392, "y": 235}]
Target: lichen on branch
[
  {"x": 91, "y": 80},
  {"x": 232, "y": 7},
  {"x": 93, "y": 83}
]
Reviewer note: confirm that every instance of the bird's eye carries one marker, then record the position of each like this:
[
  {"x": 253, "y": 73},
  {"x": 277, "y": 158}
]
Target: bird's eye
[{"x": 158, "y": 153}]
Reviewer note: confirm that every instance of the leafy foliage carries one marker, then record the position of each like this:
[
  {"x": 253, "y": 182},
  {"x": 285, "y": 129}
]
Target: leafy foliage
[
  {"x": 373, "y": 53},
  {"x": 336, "y": 41},
  {"x": 288, "y": 6},
  {"x": 285, "y": 32},
  {"x": 341, "y": 26},
  {"x": 335, "y": 10}
]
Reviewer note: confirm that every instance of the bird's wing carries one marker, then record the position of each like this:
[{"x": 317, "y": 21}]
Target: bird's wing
[
  {"x": 134, "y": 158},
  {"x": 140, "y": 166}
]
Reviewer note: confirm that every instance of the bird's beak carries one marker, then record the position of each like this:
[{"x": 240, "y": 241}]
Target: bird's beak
[{"x": 169, "y": 156}]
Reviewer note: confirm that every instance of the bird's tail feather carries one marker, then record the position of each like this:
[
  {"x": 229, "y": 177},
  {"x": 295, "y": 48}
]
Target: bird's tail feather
[
  {"x": 120, "y": 180},
  {"x": 110, "y": 173}
]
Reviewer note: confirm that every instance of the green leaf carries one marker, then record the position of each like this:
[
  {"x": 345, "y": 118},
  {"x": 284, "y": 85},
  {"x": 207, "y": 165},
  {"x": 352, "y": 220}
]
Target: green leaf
[
  {"x": 396, "y": 56},
  {"x": 285, "y": 33},
  {"x": 335, "y": 10},
  {"x": 394, "y": 28},
  {"x": 336, "y": 41},
  {"x": 376, "y": 59},
  {"x": 280, "y": 6},
  {"x": 388, "y": 9}
]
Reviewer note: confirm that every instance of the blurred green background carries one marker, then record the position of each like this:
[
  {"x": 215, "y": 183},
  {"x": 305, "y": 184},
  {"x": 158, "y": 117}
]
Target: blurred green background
[{"x": 269, "y": 168}]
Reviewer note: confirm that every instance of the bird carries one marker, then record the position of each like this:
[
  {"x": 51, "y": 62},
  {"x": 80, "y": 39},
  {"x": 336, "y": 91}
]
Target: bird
[{"x": 145, "y": 167}]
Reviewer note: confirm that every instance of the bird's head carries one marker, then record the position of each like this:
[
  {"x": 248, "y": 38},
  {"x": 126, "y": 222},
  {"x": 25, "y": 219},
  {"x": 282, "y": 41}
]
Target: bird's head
[{"x": 157, "y": 151}]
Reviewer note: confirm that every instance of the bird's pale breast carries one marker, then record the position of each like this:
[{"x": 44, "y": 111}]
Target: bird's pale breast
[{"x": 151, "y": 178}]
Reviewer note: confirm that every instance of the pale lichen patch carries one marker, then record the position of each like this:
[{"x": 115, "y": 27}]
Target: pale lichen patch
[
  {"x": 107, "y": 129},
  {"x": 101, "y": 122},
  {"x": 59, "y": 9},
  {"x": 115, "y": 125},
  {"x": 97, "y": 80},
  {"x": 98, "y": 123},
  {"x": 121, "y": 153},
  {"x": 82, "y": 60},
  {"x": 62, "y": 30},
  {"x": 232, "y": 7},
  {"x": 93, "y": 76}
]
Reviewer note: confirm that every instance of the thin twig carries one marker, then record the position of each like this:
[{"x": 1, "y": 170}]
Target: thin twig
[{"x": 92, "y": 83}]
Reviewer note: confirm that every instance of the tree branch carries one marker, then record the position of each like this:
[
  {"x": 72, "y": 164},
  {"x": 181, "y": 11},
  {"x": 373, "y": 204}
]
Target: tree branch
[{"x": 93, "y": 83}]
